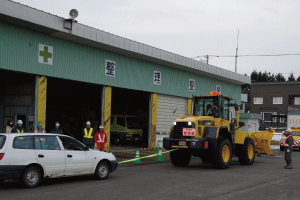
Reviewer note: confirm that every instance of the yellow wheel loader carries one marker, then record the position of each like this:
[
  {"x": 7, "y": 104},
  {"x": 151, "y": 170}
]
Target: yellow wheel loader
[{"x": 213, "y": 134}]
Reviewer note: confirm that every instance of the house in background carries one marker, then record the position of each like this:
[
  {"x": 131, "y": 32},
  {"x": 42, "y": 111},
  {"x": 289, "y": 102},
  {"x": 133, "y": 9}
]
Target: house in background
[{"x": 275, "y": 98}]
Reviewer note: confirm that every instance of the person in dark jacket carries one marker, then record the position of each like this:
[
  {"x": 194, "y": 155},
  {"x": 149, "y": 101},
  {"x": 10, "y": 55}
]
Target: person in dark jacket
[
  {"x": 57, "y": 129},
  {"x": 18, "y": 128},
  {"x": 288, "y": 145},
  {"x": 88, "y": 136}
]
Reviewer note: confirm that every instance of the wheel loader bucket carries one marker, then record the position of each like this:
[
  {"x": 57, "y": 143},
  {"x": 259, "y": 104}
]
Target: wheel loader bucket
[{"x": 262, "y": 141}]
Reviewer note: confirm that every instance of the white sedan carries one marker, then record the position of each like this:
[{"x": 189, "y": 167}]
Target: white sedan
[{"x": 31, "y": 157}]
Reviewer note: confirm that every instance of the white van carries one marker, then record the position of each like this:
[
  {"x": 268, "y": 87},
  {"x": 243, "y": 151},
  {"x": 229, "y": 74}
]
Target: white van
[{"x": 31, "y": 157}]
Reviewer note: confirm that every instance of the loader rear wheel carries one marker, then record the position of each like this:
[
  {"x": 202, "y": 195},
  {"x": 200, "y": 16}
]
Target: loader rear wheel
[
  {"x": 180, "y": 158},
  {"x": 222, "y": 156},
  {"x": 247, "y": 152},
  {"x": 281, "y": 148}
]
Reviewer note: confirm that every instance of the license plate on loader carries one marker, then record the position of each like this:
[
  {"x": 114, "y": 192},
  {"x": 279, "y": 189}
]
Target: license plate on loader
[{"x": 182, "y": 143}]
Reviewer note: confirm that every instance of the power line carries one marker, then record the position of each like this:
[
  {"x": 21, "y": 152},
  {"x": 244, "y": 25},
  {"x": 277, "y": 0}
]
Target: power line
[{"x": 287, "y": 54}]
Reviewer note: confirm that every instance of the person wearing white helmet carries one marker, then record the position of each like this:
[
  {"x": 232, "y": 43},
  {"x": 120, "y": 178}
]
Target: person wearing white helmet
[
  {"x": 88, "y": 135},
  {"x": 57, "y": 129},
  {"x": 100, "y": 138},
  {"x": 19, "y": 128},
  {"x": 288, "y": 145}
]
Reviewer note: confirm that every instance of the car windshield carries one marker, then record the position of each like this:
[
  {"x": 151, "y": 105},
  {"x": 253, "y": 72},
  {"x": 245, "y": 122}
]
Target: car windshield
[
  {"x": 134, "y": 123},
  {"x": 296, "y": 133},
  {"x": 2, "y": 141}
]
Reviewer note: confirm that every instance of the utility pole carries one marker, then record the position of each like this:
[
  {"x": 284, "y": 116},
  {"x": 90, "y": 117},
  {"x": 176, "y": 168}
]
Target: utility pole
[
  {"x": 206, "y": 58},
  {"x": 236, "y": 53}
]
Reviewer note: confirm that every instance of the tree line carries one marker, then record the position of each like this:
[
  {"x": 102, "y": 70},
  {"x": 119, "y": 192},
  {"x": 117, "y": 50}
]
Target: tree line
[{"x": 270, "y": 77}]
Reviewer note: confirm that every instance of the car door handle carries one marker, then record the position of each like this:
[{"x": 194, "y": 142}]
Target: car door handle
[
  {"x": 69, "y": 156},
  {"x": 41, "y": 156}
]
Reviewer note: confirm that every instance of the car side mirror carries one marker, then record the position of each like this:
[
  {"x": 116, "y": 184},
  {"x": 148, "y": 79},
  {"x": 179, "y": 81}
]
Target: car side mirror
[{"x": 241, "y": 124}]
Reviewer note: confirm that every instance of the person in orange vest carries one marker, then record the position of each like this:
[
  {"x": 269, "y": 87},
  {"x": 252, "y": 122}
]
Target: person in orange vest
[
  {"x": 100, "y": 138},
  {"x": 19, "y": 128},
  {"x": 88, "y": 135},
  {"x": 288, "y": 145}
]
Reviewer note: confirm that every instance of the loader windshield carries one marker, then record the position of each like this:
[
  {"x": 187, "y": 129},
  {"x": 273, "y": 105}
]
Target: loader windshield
[
  {"x": 210, "y": 106},
  {"x": 206, "y": 107}
]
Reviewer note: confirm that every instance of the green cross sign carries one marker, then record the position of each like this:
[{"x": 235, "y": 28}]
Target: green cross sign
[{"x": 45, "y": 54}]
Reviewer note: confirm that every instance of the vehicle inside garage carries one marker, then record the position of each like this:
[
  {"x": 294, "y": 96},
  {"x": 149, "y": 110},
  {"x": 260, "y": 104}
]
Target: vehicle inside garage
[
  {"x": 130, "y": 118},
  {"x": 72, "y": 104}
]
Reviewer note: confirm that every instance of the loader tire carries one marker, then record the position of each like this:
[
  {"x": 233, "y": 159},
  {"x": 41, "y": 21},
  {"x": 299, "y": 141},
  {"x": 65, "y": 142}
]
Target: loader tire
[
  {"x": 206, "y": 158},
  {"x": 180, "y": 158},
  {"x": 223, "y": 155},
  {"x": 281, "y": 148},
  {"x": 247, "y": 152}
]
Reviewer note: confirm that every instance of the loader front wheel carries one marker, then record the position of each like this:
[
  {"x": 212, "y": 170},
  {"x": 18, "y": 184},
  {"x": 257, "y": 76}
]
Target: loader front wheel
[
  {"x": 222, "y": 156},
  {"x": 180, "y": 158},
  {"x": 247, "y": 152},
  {"x": 206, "y": 158}
]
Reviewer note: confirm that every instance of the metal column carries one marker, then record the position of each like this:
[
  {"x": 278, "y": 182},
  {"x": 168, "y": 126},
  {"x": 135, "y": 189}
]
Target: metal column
[
  {"x": 153, "y": 120},
  {"x": 41, "y": 100},
  {"x": 107, "y": 115},
  {"x": 189, "y": 106}
]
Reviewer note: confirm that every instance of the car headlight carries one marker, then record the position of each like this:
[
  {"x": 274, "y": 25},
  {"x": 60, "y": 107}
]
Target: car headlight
[
  {"x": 190, "y": 123},
  {"x": 174, "y": 123}
]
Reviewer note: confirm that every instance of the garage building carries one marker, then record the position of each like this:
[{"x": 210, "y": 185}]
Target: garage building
[{"x": 52, "y": 70}]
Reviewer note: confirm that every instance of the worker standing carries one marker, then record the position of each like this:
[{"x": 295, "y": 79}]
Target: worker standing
[
  {"x": 19, "y": 128},
  {"x": 288, "y": 144},
  {"x": 100, "y": 138},
  {"x": 39, "y": 128},
  {"x": 88, "y": 135},
  {"x": 57, "y": 129},
  {"x": 9, "y": 126}
]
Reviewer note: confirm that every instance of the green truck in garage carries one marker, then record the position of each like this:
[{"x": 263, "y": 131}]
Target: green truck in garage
[{"x": 125, "y": 128}]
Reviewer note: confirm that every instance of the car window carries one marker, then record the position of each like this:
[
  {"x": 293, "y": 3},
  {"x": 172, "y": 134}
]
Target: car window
[
  {"x": 2, "y": 141},
  {"x": 71, "y": 144},
  {"x": 46, "y": 142},
  {"x": 23, "y": 142},
  {"x": 121, "y": 121}
]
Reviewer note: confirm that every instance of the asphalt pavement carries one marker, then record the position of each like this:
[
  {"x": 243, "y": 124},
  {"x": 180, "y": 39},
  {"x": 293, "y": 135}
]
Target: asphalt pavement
[{"x": 265, "y": 179}]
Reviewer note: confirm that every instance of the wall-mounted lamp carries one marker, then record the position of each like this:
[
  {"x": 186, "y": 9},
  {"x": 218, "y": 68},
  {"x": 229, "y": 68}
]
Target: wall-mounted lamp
[{"x": 68, "y": 23}]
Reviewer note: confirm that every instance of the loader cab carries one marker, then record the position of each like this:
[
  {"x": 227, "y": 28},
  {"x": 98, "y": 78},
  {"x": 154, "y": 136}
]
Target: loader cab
[{"x": 214, "y": 105}]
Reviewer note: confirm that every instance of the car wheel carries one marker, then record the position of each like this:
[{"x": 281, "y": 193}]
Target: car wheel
[
  {"x": 31, "y": 177},
  {"x": 102, "y": 171}
]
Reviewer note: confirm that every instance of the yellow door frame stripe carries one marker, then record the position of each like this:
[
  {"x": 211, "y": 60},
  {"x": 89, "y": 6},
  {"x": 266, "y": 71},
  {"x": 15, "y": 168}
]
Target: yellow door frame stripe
[
  {"x": 189, "y": 107},
  {"x": 107, "y": 115},
  {"x": 153, "y": 120},
  {"x": 42, "y": 98}
]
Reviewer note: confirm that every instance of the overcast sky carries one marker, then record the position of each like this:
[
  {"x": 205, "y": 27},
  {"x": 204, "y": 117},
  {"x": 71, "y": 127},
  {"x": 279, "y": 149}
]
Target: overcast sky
[{"x": 194, "y": 28}]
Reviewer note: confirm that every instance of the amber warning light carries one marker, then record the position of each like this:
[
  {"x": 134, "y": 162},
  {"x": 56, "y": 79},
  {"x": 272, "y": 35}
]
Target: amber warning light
[{"x": 214, "y": 93}]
